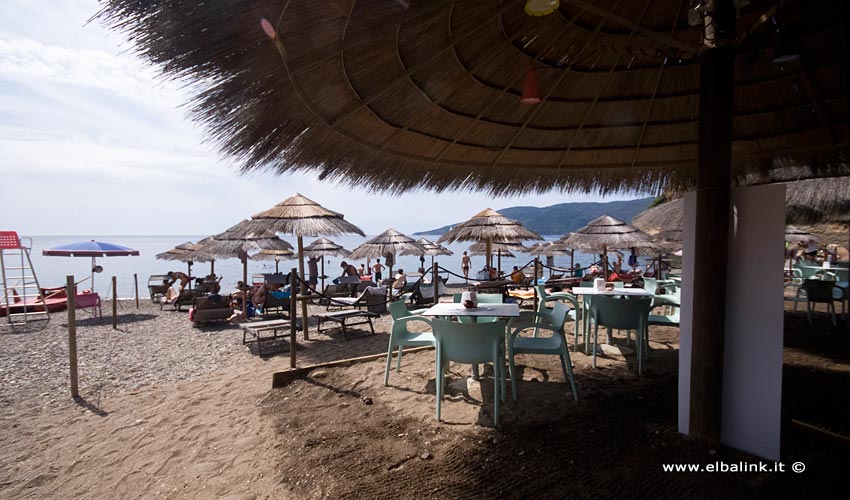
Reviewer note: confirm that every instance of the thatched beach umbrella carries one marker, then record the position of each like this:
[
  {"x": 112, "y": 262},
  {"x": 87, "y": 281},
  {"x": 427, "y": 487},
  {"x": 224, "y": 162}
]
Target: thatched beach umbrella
[
  {"x": 481, "y": 249},
  {"x": 607, "y": 232},
  {"x": 500, "y": 248},
  {"x": 428, "y": 247},
  {"x": 388, "y": 242},
  {"x": 794, "y": 234},
  {"x": 183, "y": 252},
  {"x": 276, "y": 255},
  {"x": 322, "y": 247},
  {"x": 488, "y": 226},
  {"x": 300, "y": 217},
  {"x": 241, "y": 239}
]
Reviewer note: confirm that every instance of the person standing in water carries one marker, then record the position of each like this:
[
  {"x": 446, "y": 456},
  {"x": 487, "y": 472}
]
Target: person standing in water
[{"x": 465, "y": 264}]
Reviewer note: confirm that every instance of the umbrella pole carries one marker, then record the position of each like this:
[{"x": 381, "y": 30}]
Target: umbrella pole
[
  {"x": 499, "y": 254},
  {"x": 605, "y": 262},
  {"x": 212, "y": 266},
  {"x": 245, "y": 281},
  {"x": 276, "y": 265},
  {"x": 93, "y": 263},
  {"x": 572, "y": 261},
  {"x": 323, "y": 272},
  {"x": 293, "y": 289},
  {"x": 489, "y": 258}
]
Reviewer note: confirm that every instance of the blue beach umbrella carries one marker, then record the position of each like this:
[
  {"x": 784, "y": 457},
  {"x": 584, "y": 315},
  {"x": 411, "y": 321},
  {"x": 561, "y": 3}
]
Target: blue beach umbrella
[{"x": 93, "y": 249}]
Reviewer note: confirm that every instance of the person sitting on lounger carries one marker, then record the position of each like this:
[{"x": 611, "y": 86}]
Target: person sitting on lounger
[
  {"x": 517, "y": 276},
  {"x": 400, "y": 280}
]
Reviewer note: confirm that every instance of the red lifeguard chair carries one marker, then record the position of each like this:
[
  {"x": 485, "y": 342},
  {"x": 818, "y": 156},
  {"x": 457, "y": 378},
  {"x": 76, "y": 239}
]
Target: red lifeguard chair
[{"x": 21, "y": 301}]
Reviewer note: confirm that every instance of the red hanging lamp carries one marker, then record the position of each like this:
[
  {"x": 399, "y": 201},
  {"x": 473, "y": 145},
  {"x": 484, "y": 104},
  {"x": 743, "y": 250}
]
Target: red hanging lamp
[{"x": 530, "y": 87}]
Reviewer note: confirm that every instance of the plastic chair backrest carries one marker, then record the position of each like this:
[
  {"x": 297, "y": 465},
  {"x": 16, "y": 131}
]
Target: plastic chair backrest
[
  {"x": 468, "y": 343},
  {"x": 558, "y": 316},
  {"x": 808, "y": 271},
  {"x": 818, "y": 290},
  {"x": 623, "y": 314},
  {"x": 398, "y": 309},
  {"x": 9, "y": 240}
]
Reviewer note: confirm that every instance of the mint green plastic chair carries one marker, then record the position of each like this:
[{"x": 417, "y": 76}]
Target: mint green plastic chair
[
  {"x": 400, "y": 336},
  {"x": 574, "y": 314},
  {"x": 556, "y": 344},
  {"x": 471, "y": 343},
  {"x": 622, "y": 314}
]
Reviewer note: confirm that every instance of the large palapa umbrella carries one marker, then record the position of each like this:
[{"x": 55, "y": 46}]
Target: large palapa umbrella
[
  {"x": 322, "y": 247},
  {"x": 488, "y": 226},
  {"x": 301, "y": 216},
  {"x": 388, "y": 242},
  {"x": 606, "y": 232},
  {"x": 501, "y": 248},
  {"x": 93, "y": 249}
]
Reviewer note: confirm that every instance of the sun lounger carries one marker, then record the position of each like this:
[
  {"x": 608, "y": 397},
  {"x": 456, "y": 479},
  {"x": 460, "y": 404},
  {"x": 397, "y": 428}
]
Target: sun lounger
[
  {"x": 89, "y": 301},
  {"x": 373, "y": 298},
  {"x": 346, "y": 319},
  {"x": 256, "y": 329},
  {"x": 210, "y": 308}
]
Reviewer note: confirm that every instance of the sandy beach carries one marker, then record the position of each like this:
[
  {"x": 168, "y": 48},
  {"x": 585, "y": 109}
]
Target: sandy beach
[{"x": 174, "y": 411}]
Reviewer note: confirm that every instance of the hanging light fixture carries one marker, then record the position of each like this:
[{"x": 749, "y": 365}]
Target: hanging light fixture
[
  {"x": 530, "y": 87},
  {"x": 541, "y": 7}
]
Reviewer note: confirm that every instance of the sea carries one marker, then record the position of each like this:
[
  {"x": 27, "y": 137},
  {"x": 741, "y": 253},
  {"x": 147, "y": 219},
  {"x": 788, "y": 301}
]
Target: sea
[{"x": 52, "y": 271}]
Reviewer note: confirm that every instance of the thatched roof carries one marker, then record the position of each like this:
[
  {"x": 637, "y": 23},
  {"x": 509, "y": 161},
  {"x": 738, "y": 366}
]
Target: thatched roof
[
  {"x": 240, "y": 239},
  {"x": 301, "y": 216},
  {"x": 818, "y": 200},
  {"x": 428, "y": 247},
  {"x": 390, "y": 241},
  {"x": 182, "y": 252},
  {"x": 609, "y": 232},
  {"x": 324, "y": 246},
  {"x": 273, "y": 254},
  {"x": 663, "y": 217},
  {"x": 807, "y": 201},
  {"x": 795, "y": 234},
  {"x": 489, "y": 224},
  {"x": 400, "y": 95}
]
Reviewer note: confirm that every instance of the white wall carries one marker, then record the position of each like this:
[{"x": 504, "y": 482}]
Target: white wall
[{"x": 752, "y": 369}]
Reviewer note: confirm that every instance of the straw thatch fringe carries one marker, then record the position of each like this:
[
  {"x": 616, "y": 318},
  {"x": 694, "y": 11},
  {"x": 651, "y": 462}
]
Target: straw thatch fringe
[
  {"x": 276, "y": 255},
  {"x": 240, "y": 239},
  {"x": 428, "y": 247},
  {"x": 404, "y": 95}
]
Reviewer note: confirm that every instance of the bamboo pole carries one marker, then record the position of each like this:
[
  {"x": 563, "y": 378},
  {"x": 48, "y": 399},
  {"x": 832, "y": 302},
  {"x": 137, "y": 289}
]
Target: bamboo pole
[
  {"x": 70, "y": 291},
  {"x": 114, "y": 303},
  {"x": 136, "y": 282},
  {"x": 293, "y": 313}
]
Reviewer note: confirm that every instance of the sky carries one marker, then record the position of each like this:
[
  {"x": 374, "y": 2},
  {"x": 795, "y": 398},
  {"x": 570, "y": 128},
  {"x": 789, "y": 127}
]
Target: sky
[{"x": 93, "y": 141}]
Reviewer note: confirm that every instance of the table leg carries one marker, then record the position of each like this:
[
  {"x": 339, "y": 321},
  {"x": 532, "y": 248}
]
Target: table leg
[{"x": 475, "y": 374}]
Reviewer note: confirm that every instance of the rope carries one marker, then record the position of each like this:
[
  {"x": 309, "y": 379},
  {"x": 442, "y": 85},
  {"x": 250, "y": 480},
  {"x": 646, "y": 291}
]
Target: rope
[{"x": 410, "y": 287}]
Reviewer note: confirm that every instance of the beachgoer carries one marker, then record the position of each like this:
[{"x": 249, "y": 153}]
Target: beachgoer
[
  {"x": 633, "y": 258},
  {"x": 618, "y": 265},
  {"x": 362, "y": 270},
  {"x": 465, "y": 264},
  {"x": 578, "y": 272},
  {"x": 517, "y": 276},
  {"x": 376, "y": 271},
  {"x": 400, "y": 280},
  {"x": 313, "y": 270},
  {"x": 177, "y": 275},
  {"x": 348, "y": 269},
  {"x": 258, "y": 298},
  {"x": 494, "y": 274},
  {"x": 811, "y": 250}
]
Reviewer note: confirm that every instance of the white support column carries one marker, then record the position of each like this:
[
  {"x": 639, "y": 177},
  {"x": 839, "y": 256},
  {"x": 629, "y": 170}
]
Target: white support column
[{"x": 752, "y": 365}]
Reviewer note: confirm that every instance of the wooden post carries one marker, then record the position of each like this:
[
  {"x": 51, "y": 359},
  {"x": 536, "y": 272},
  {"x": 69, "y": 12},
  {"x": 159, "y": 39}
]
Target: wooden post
[
  {"x": 436, "y": 282},
  {"x": 136, "y": 282},
  {"x": 70, "y": 291},
  {"x": 572, "y": 261},
  {"x": 300, "y": 290},
  {"x": 489, "y": 249},
  {"x": 114, "y": 303},
  {"x": 712, "y": 237},
  {"x": 293, "y": 313}
]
